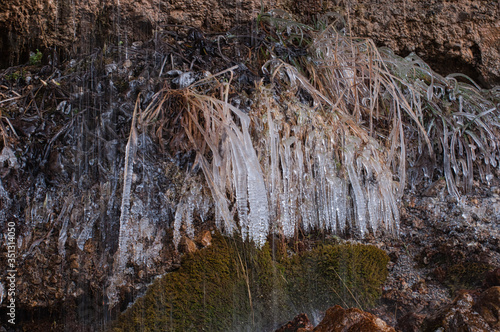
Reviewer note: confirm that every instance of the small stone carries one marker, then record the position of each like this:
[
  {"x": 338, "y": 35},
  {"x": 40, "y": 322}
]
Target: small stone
[
  {"x": 204, "y": 239},
  {"x": 127, "y": 64},
  {"x": 74, "y": 263},
  {"x": 300, "y": 323},
  {"x": 187, "y": 245},
  {"x": 353, "y": 319},
  {"x": 137, "y": 44}
]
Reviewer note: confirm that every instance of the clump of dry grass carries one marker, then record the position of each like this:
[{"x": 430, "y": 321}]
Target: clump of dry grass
[{"x": 330, "y": 142}]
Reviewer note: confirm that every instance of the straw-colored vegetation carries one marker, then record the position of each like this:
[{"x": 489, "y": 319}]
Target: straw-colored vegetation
[{"x": 337, "y": 129}]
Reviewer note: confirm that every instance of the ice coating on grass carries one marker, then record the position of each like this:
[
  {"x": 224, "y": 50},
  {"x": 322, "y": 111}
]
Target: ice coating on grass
[
  {"x": 125, "y": 228},
  {"x": 295, "y": 162},
  {"x": 193, "y": 203}
]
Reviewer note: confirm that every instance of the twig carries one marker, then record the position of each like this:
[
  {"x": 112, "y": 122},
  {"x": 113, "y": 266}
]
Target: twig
[
  {"x": 10, "y": 99},
  {"x": 11, "y": 127},
  {"x": 163, "y": 65},
  {"x": 202, "y": 81},
  {"x": 343, "y": 283},
  {"x": 220, "y": 52}
]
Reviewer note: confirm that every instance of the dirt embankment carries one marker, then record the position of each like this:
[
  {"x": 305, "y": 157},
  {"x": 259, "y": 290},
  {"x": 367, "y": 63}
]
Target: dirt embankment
[{"x": 459, "y": 36}]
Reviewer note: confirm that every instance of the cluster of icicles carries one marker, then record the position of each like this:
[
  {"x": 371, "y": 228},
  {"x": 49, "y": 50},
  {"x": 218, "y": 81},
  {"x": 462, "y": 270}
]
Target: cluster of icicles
[
  {"x": 308, "y": 154},
  {"x": 289, "y": 177},
  {"x": 286, "y": 165},
  {"x": 303, "y": 169}
]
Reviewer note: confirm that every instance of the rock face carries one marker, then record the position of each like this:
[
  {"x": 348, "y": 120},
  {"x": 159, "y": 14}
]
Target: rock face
[
  {"x": 463, "y": 34},
  {"x": 459, "y": 36},
  {"x": 68, "y": 237},
  {"x": 338, "y": 319},
  {"x": 468, "y": 312},
  {"x": 488, "y": 306},
  {"x": 465, "y": 314}
]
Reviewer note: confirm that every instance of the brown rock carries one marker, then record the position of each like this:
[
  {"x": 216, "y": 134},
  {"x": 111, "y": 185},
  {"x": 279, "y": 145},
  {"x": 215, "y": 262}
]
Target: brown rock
[
  {"x": 492, "y": 278},
  {"x": 300, "y": 323},
  {"x": 338, "y": 319},
  {"x": 458, "y": 36},
  {"x": 458, "y": 316},
  {"x": 488, "y": 306},
  {"x": 187, "y": 245},
  {"x": 410, "y": 322},
  {"x": 204, "y": 239},
  {"x": 89, "y": 247},
  {"x": 74, "y": 264}
]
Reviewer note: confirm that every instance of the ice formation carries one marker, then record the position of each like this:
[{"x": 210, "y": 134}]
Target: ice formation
[
  {"x": 289, "y": 164},
  {"x": 310, "y": 184},
  {"x": 304, "y": 173}
]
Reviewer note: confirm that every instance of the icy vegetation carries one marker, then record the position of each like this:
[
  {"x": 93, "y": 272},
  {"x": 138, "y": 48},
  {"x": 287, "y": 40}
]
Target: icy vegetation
[
  {"x": 314, "y": 130},
  {"x": 308, "y": 165},
  {"x": 323, "y": 145}
]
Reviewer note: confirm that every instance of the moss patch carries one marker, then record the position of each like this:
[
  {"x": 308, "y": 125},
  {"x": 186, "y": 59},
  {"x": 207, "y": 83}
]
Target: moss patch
[
  {"x": 234, "y": 286},
  {"x": 349, "y": 275}
]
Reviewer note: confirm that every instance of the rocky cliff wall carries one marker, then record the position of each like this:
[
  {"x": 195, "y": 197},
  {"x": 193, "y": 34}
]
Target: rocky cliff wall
[{"x": 454, "y": 36}]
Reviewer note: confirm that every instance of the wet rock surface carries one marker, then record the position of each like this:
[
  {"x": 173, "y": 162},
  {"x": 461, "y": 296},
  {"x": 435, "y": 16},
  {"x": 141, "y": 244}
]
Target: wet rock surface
[
  {"x": 447, "y": 249},
  {"x": 443, "y": 271},
  {"x": 458, "y": 316},
  {"x": 353, "y": 319},
  {"x": 338, "y": 319},
  {"x": 460, "y": 36},
  {"x": 488, "y": 306}
]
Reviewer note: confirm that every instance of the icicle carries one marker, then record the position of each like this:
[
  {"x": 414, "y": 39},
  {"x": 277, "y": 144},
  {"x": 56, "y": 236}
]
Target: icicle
[
  {"x": 274, "y": 166},
  {"x": 240, "y": 180},
  {"x": 222, "y": 213},
  {"x": 257, "y": 194},
  {"x": 340, "y": 201},
  {"x": 374, "y": 206},
  {"x": 91, "y": 214},
  {"x": 287, "y": 220},
  {"x": 356, "y": 186},
  {"x": 125, "y": 229},
  {"x": 452, "y": 189},
  {"x": 179, "y": 214}
]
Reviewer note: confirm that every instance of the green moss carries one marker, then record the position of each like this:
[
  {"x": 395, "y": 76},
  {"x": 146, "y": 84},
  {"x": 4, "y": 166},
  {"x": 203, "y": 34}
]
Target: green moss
[
  {"x": 349, "y": 275},
  {"x": 15, "y": 76},
  {"x": 234, "y": 286}
]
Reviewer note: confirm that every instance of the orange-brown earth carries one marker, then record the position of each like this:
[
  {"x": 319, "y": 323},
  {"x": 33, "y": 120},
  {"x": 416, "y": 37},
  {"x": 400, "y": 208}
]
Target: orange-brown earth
[{"x": 454, "y": 36}]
